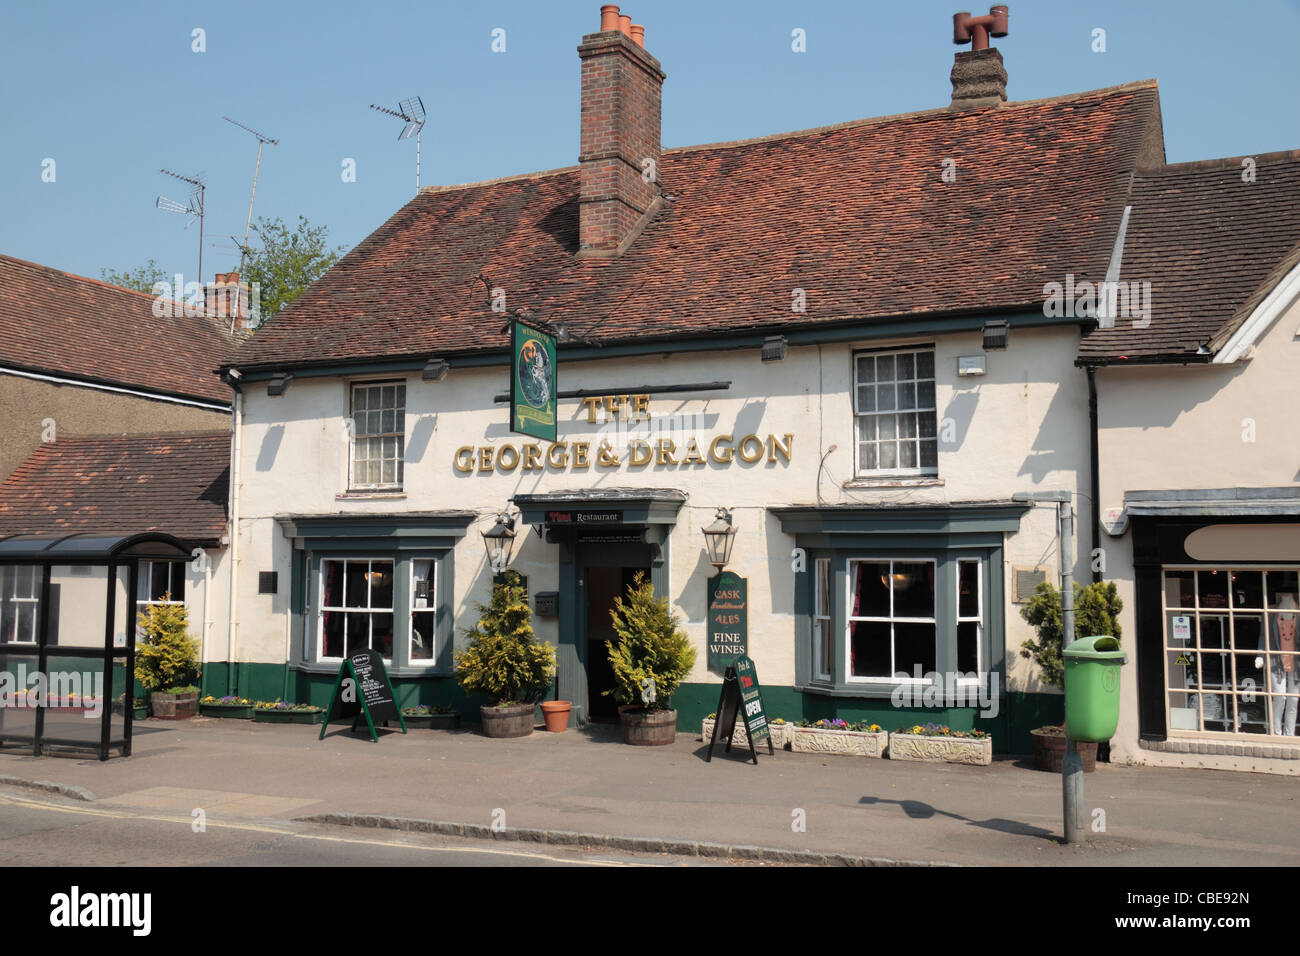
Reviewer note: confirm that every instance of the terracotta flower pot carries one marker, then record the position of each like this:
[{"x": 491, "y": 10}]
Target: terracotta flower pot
[{"x": 556, "y": 714}]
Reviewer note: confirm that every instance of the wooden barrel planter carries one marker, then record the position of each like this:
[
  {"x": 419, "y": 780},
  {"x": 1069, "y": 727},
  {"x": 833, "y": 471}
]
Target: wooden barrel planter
[
  {"x": 649, "y": 728},
  {"x": 174, "y": 706},
  {"x": 513, "y": 721},
  {"x": 1049, "y": 752}
]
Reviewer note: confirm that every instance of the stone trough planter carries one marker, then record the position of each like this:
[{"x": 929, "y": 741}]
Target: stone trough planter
[
  {"x": 849, "y": 743},
  {"x": 781, "y": 734},
  {"x": 941, "y": 749}
]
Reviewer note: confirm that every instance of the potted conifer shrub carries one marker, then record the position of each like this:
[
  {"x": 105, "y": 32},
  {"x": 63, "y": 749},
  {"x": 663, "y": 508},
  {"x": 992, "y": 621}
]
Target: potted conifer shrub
[
  {"x": 505, "y": 662},
  {"x": 651, "y": 659},
  {"x": 167, "y": 660},
  {"x": 1096, "y": 611}
]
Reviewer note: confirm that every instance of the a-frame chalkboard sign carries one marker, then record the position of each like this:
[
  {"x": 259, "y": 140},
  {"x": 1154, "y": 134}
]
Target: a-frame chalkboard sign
[
  {"x": 363, "y": 690},
  {"x": 741, "y": 698}
]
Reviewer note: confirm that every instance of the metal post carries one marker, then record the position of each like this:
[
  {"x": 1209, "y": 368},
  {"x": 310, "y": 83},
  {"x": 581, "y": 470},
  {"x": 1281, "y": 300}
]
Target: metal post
[{"x": 1071, "y": 765}]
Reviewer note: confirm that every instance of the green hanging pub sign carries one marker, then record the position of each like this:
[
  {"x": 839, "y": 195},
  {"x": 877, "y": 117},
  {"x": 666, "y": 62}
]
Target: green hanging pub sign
[{"x": 533, "y": 407}]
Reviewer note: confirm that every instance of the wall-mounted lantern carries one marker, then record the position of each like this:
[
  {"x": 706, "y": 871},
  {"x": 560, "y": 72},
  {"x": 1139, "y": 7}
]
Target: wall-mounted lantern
[
  {"x": 719, "y": 537},
  {"x": 500, "y": 542}
]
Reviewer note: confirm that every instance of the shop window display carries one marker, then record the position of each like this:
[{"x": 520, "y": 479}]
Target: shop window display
[{"x": 1231, "y": 649}]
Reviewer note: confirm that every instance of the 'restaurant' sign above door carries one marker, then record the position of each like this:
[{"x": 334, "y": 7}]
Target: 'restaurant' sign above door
[{"x": 533, "y": 405}]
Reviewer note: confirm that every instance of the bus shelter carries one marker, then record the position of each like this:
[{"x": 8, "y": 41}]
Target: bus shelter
[{"x": 67, "y": 637}]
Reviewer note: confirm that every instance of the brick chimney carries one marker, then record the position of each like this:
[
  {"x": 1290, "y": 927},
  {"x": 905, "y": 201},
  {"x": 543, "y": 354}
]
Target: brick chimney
[
  {"x": 978, "y": 77},
  {"x": 622, "y": 89}
]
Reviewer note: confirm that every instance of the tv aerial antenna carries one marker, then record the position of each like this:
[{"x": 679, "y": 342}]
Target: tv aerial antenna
[
  {"x": 195, "y": 207},
  {"x": 410, "y": 112},
  {"x": 262, "y": 140}
]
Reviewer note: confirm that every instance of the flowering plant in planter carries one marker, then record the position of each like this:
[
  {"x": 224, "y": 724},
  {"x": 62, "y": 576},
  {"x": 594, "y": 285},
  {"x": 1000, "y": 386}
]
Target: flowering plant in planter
[
  {"x": 425, "y": 710},
  {"x": 941, "y": 730},
  {"x": 230, "y": 705},
  {"x": 839, "y": 723}
]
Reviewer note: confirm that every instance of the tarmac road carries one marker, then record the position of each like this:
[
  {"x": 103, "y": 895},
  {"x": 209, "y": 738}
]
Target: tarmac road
[{"x": 48, "y": 830}]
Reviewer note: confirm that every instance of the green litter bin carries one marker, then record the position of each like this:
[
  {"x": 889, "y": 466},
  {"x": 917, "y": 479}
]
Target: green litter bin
[{"x": 1092, "y": 687}]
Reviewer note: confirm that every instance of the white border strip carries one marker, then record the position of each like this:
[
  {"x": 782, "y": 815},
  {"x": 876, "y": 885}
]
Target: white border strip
[
  {"x": 113, "y": 388},
  {"x": 1265, "y": 314}
]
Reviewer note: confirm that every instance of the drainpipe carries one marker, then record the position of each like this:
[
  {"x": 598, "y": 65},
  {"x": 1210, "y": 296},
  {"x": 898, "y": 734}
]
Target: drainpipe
[
  {"x": 1094, "y": 476},
  {"x": 232, "y": 573}
]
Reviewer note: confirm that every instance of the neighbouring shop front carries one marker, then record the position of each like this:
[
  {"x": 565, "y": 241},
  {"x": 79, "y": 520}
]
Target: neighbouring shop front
[{"x": 1217, "y": 578}]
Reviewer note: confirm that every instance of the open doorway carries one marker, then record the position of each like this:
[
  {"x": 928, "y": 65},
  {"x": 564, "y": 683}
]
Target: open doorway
[{"x": 603, "y": 585}]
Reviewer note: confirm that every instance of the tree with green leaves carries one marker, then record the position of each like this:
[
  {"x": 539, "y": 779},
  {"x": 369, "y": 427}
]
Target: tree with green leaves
[
  {"x": 653, "y": 654},
  {"x": 168, "y": 658},
  {"x": 141, "y": 279},
  {"x": 1096, "y": 612},
  {"x": 287, "y": 262},
  {"x": 504, "y": 660}
]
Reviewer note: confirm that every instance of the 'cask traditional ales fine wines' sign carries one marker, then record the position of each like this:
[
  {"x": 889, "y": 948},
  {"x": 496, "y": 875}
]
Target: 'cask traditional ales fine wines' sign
[{"x": 728, "y": 620}]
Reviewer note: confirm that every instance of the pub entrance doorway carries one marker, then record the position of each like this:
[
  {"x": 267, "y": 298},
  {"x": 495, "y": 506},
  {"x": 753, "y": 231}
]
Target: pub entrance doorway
[{"x": 603, "y": 585}]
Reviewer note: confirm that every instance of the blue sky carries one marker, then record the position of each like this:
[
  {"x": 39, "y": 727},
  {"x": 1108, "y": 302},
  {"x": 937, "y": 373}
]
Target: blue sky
[{"x": 113, "y": 91}]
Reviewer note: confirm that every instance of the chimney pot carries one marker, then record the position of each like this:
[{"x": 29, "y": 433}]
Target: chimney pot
[
  {"x": 638, "y": 35},
  {"x": 608, "y": 17},
  {"x": 625, "y": 24}
]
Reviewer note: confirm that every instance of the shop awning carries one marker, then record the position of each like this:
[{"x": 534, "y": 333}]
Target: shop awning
[
  {"x": 90, "y": 548},
  {"x": 1254, "y": 502}
]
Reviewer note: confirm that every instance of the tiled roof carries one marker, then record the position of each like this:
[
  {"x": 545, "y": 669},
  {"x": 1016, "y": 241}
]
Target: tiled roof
[
  {"x": 67, "y": 325},
  {"x": 856, "y": 215},
  {"x": 1211, "y": 245},
  {"x": 122, "y": 485}
]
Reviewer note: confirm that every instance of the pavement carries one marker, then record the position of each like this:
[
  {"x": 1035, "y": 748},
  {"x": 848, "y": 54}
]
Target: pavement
[{"x": 587, "y": 789}]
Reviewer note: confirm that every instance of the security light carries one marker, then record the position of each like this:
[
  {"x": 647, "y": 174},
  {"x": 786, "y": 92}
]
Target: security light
[
  {"x": 774, "y": 348},
  {"x": 996, "y": 333},
  {"x": 435, "y": 370}
]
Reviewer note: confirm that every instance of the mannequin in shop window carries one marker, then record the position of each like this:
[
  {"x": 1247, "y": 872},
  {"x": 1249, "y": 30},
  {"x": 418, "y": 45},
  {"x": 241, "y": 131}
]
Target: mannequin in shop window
[{"x": 1283, "y": 665}]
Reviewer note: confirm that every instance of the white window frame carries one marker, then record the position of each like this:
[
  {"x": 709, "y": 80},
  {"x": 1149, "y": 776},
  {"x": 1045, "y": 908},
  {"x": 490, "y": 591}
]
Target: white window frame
[
  {"x": 898, "y": 470},
  {"x": 368, "y": 609},
  {"x": 34, "y": 600},
  {"x": 823, "y": 636},
  {"x": 849, "y": 620},
  {"x": 981, "y": 665},
  {"x": 144, "y": 581},
  {"x": 356, "y": 436},
  {"x": 431, "y": 609}
]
